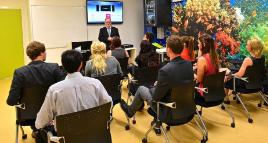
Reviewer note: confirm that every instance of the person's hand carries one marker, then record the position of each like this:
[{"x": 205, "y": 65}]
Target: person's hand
[
  {"x": 110, "y": 38},
  {"x": 155, "y": 83}
]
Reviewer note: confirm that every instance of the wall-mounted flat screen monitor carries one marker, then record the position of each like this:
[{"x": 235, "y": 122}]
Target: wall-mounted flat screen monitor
[{"x": 97, "y": 11}]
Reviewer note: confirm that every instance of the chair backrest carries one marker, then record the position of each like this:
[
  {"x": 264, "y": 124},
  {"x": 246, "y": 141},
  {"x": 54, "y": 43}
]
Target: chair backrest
[
  {"x": 123, "y": 64},
  {"x": 146, "y": 76},
  {"x": 215, "y": 85},
  {"x": 183, "y": 95},
  {"x": 87, "y": 126},
  {"x": 112, "y": 85},
  {"x": 33, "y": 98},
  {"x": 255, "y": 75}
]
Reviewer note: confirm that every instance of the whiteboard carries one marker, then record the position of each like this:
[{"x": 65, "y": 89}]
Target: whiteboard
[{"x": 56, "y": 26}]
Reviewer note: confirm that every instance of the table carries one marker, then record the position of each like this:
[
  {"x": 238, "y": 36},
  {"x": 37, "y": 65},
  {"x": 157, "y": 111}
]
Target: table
[{"x": 161, "y": 52}]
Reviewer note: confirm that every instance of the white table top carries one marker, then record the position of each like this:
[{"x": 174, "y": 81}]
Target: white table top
[
  {"x": 161, "y": 51},
  {"x": 132, "y": 48}
]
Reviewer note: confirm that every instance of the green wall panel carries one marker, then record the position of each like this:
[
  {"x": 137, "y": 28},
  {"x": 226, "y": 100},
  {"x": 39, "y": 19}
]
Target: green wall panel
[{"x": 11, "y": 42}]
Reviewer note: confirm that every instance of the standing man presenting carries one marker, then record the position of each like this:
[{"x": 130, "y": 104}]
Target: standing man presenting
[{"x": 107, "y": 33}]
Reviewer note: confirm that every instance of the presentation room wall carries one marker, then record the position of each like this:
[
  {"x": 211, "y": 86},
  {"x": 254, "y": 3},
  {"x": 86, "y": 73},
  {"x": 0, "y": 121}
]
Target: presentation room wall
[
  {"x": 24, "y": 6},
  {"x": 131, "y": 31}
]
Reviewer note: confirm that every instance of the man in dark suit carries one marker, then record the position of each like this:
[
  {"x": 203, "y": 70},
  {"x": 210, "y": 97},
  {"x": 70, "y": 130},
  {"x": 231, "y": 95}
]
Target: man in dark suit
[
  {"x": 108, "y": 32},
  {"x": 37, "y": 72},
  {"x": 174, "y": 72}
]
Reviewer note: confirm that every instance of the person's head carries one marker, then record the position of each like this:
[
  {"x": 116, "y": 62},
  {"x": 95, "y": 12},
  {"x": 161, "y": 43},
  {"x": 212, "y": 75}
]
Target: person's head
[
  {"x": 36, "y": 51},
  {"x": 71, "y": 61},
  {"x": 188, "y": 42},
  {"x": 149, "y": 37},
  {"x": 174, "y": 46},
  {"x": 255, "y": 47},
  {"x": 116, "y": 42},
  {"x": 206, "y": 45},
  {"x": 145, "y": 46},
  {"x": 108, "y": 22},
  {"x": 98, "y": 51}
]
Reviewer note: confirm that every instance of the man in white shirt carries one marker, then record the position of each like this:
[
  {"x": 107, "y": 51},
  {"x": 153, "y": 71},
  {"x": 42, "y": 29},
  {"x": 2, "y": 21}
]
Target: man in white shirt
[{"x": 73, "y": 94}]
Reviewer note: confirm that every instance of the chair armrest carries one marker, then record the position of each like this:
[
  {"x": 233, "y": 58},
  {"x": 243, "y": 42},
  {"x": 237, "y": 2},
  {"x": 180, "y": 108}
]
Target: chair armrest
[
  {"x": 202, "y": 89},
  {"x": 56, "y": 139},
  {"x": 21, "y": 106},
  {"x": 170, "y": 105},
  {"x": 241, "y": 78}
]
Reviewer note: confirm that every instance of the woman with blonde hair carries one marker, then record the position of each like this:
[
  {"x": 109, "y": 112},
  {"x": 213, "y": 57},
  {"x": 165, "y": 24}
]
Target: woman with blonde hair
[
  {"x": 255, "y": 61},
  {"x": 100, "y": 64}
]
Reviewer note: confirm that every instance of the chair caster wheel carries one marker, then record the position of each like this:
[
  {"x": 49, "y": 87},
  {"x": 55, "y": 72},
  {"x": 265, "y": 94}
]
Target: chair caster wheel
[
  {"x": 127, "y": 127},
  {"x": 200, "y": 113},
  {"x": 233, "y": 125},
  {"x": 168, "y": 128},
  {"x": 134, "y": 121},
  {"x": 24, "y": 136},
  {"x": 144, "y": 140},
  {"x": 259, "y": 104},
  {"x": 222, "y": 107},
  {"x": 250, "y": 120}
]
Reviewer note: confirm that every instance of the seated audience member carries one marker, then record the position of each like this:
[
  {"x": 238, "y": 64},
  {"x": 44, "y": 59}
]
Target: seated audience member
[
  {"x": 37, "y": 72},
  {"x": 174, "y": 72},
  {"x": 255, "y": 60},
  {"x": 147, "y": 56},
  {"x": 75, "y": 93},
  {"x": 150, "y": 38},
  {"x": 188, "y": 50},
  {"x": 207, "y": 64},
  {"x": 101, "y": 64},
  {"x": 116, "y": 50}
]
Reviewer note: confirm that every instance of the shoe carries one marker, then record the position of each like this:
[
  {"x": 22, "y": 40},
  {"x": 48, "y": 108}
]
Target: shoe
[
  {"x": 157, "y": 129},
  {"x": 125, "y": 108}
]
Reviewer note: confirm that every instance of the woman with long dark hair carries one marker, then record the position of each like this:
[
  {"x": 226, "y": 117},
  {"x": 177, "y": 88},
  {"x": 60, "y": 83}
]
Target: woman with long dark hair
[{"x": 207, "y": 63}]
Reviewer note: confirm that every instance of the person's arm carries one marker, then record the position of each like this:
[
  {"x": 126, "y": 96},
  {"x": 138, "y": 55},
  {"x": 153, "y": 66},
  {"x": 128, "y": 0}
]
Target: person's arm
[
  {"x": 119, "y": 70},
  {"x": 201, "y": 66},
  {"x": 247, "y": 62},
  {"x": 102, "y": 36},
  {"x": 162, "y": 86},
  {"x": 59, "y": 74},
  {"x": 15, "y": 89},
  {"x": 88, "y": 69},
  {"x": 127, "y": 55},
  {"x": 46, "y": 113}
]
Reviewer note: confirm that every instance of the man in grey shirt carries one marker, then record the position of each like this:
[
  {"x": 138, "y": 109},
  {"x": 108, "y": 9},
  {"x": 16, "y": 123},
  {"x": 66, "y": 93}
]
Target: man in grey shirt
[{"x": 73, "y": 94}]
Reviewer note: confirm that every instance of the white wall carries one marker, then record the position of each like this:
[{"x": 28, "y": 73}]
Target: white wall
[
  {"x": 24, "y": 6},
  {"x": 131, "y": 31}
]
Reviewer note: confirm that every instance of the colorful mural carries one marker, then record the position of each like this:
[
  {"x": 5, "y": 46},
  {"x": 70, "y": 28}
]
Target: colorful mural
[{"x": 231, "y": 23}]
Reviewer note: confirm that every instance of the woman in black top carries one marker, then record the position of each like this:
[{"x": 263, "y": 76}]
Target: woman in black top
[
  {"x": 116, "y": 50},
  {"x": 147, "y": 56}
]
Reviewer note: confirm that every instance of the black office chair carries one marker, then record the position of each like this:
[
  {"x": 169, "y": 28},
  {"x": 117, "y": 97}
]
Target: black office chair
[
  {"x": 142, "y": 77},
  {"x": 29, "y": 105},
  {"x": 112, "y": 84},
  {"x": 214, "y": 94},
  {"x": 180, "y": 110},
  {"x": 253, "y": 84},
  {"x": 87, "y": 126},
  {"x": 124, "y": 65}
]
